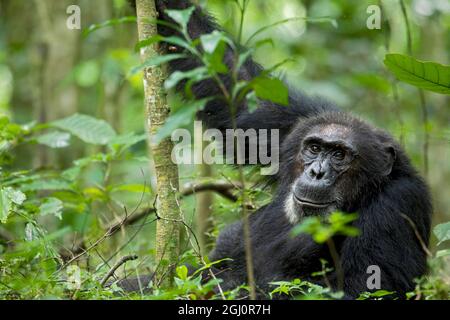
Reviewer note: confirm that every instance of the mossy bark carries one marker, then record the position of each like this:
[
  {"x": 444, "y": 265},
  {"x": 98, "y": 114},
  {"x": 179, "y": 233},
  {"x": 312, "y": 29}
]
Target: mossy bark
[{"x": 168, "y": 226}]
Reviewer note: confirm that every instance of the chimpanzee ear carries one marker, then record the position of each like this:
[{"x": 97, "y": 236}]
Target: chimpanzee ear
[{"x": 390, "y": 156}]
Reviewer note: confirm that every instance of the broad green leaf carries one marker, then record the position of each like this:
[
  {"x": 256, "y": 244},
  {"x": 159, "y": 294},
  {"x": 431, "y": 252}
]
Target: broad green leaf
[
  {"x": 55, "y": 139},
  {"x": 51, "y": 206},
  {"x": 430, "y": 76},
  {"x": 148, "y": 42},
  {"x": 215, "y": 45},
  {"x": 209, "y": 264},
  {"x": 178, "y": 76},
  {"x": 215, "y": 60},
  {"x": 5, "y": 206},
  {"x": 376, "y": 294},
  {"x": 16, "y": 196},
  {"x": 8, "y": 198},
  {"x": 263, "y": 42},
  {"x": 252, "y": 102},
  {"x": 181, "y": 17},
  {"x": 180, "y": 118},
  {"x": 177, "y": 41},
  {"x": 31, "y": 232},
  {"x": 155, "y": 61},
  {"x": 443, "y": 253},
  {"x": 211, "y": 41},
  {"x": 72, "y": 173},
  {"x": 109, "y": 23},
  {"x": 43, "y": 184},
  {"x": 271, "y": 89},
  {"x": 127, "y": 140},
  {"x": 182, "y": 272},
  {"x": 95, "y": 193},
  {"x": 243, "y": 58},
  {"x": 139, "y": 188},
  {"x": 141, "y": 159},
  {"x": 442, "y": 232},
  {"x": 88, "y": 129}
]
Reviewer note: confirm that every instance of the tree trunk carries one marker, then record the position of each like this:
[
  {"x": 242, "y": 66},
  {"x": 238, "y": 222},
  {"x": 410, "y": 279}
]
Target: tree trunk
[
  {"x": 168, "y": 226},
  {"x": 204, "y": 201}
]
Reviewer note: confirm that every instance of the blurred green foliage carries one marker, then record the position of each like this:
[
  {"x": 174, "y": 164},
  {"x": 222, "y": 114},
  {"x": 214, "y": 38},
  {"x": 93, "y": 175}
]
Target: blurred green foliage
[{"x": 73, "y": 155}]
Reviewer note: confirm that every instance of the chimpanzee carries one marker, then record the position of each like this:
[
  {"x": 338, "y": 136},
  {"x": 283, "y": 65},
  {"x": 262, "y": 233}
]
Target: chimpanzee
[{"x": 329, "y": 161}]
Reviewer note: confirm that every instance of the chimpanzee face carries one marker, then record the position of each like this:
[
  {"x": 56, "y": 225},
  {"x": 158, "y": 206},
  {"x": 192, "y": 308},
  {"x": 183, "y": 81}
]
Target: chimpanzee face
[
  {"x": 332, "y": 172},
  {"x": 326, "y": 154}
]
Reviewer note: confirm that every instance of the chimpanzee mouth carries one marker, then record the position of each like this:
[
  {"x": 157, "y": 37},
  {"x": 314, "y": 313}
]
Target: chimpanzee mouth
[{"x": 311, "y": 204}]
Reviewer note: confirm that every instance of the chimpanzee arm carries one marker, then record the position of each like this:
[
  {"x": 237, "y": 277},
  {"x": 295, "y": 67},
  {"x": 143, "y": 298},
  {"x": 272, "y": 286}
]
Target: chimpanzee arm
[{"x": 216, "y": 115}]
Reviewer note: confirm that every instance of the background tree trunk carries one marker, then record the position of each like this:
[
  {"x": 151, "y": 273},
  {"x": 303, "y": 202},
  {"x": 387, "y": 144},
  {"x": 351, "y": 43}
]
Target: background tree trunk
[
  {"x": 168, "y": 226},
  {"x": 204, "y": 201}
]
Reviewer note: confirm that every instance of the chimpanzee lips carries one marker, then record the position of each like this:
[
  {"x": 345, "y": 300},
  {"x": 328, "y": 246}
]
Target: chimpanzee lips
[{"x": 312, "y": 204}]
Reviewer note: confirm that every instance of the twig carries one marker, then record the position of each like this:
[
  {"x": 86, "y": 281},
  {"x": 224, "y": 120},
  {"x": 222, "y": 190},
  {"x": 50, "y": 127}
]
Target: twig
[
  {"x": 416, "y": 232},
  {"x": 423, "y": 102},
  {"x": 221, "y": 187},
  {"x": 199, "y": 254},
  {"x": 337, "y": 264},
  {"x": 122, "y": 261},
  {"x": 131, "y": 219}
]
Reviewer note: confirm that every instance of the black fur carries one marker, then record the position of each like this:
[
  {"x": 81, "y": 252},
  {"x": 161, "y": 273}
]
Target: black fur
[{"x": 387, "y": 239}]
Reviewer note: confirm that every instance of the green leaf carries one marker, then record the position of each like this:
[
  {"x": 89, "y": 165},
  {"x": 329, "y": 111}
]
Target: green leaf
[
  {"x": 109, "y": 23},
  {"x": 243, "y": 58},
  {"x": 443, "y": 253},
  {"x": 87, "y": 74},
  {"x": 54, "y": 139},
  {"x": 215, "y": 44},
  {"x": 180, "y": 118},
  {"x": 8, "y": 198},
  {"x": 215, "y": 60},
  {"x": 178, "y": 76},
  {"x": 127, "y": 140},
  {"x": 5, "y": 206},
  {"x": 252, "y": 102},
  {"x": 51, "y": 206},
  {"x": 271, "y": 89},
  {"x": 50, "y": 184},
  {"x": 148, "y": 42},
  {"x": 182, "y": 272},
  {"x": 177, "y": 41},
  {"x": 181, "y": 17},
  {"x": 211, "y": 41},
  {"x": 442, "y": 232},
  {"x": 139, "y": 188},
  {"x": 155, "y": 61},
  {"x": 31, "y": 232},
  {"x": 88, "y": 129},
  {"x": 16, "y": 196},
  {"x": 430, "y": 76},
  {"x": 376, "y": 294}
]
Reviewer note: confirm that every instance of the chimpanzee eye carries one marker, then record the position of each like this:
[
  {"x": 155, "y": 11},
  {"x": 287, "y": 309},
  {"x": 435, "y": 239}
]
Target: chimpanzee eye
[
  {"x": 339, "y": 155},
  {"x": 314, "y": 148}
]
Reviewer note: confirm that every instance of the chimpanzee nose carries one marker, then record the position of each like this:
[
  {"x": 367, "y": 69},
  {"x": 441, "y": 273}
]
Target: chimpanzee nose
[{"x": 316, "y": 173}]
